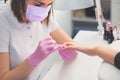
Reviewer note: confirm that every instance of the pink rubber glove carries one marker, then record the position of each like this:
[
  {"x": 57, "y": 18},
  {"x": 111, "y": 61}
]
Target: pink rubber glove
[
  {"x": 45, "y": 47},
  {"x": 67, "y": 55}
]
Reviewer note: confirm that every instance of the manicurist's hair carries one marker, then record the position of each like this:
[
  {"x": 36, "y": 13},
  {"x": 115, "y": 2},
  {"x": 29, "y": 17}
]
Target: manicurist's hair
[{"x": 19, "y": 9}]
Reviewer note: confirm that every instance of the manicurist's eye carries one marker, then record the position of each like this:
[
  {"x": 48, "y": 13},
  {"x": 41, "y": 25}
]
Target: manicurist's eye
[{"x": 39, "y": 5}]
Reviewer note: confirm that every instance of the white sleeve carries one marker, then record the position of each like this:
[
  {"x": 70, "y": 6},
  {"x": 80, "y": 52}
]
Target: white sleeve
[
  {"x": 4, "y": 37},
  {"x": 52, "y": 24}
]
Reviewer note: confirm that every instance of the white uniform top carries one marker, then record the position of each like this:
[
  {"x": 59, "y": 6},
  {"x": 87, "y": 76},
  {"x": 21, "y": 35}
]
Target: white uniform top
[{"x": 21, "y": 40}]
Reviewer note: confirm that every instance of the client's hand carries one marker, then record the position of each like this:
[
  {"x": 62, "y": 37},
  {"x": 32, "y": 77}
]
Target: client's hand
[
  {"x": 68, "y": 54},
  {"x": 87, "y": 49}
]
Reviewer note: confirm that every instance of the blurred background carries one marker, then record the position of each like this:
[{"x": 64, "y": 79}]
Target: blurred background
[{"x": 85, "y": 19}]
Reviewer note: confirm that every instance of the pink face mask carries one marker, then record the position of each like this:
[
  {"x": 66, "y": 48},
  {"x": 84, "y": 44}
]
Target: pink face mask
[{"x": 37, "y": 14}]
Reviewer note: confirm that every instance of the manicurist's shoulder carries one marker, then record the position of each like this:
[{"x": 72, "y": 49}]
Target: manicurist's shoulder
[
  {"x": 6, "y": 17},
  {"x": 4, "y": 23}
]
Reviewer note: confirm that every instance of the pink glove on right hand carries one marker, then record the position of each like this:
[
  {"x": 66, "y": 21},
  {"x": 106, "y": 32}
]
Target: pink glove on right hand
[
  {"x": 68, "y": 54},
  {"x": 45, "y": 47}
]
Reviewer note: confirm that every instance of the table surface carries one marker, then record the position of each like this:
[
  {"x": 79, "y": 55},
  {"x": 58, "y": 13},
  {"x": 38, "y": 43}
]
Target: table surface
[{"x": 84, "y": 67}]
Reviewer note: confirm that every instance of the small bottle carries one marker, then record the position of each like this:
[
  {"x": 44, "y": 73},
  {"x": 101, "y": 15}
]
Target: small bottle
[
  {"x": 118, "y": 33},
  {"x": 105, "y": 32},
  {"x": 5, "y": 1},
  {"x": 115, "y": 33},
  {"x": 110, "y": 35}
]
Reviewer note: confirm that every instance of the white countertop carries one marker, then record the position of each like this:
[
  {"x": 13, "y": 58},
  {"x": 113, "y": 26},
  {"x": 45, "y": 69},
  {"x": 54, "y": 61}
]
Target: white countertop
[{"x": 84, "y": 67}]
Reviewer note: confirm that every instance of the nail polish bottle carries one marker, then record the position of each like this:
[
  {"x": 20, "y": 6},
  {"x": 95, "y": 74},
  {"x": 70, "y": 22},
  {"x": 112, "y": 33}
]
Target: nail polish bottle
[
  {"x": 110, "y": 35},
  {"x": 115, "y": 32},
  {"x": 118, "y": 33},
  {"x": 105, "y": 31}
]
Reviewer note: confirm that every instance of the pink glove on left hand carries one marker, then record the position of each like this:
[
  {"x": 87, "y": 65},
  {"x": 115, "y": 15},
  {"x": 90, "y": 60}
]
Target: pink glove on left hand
[{"x": 68, "y": 54}]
